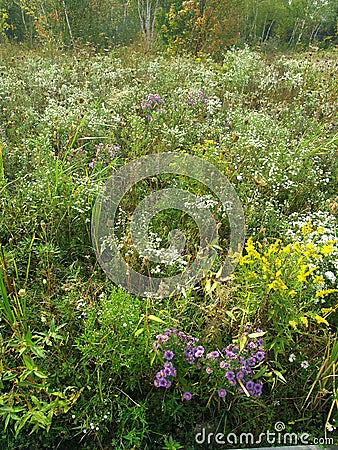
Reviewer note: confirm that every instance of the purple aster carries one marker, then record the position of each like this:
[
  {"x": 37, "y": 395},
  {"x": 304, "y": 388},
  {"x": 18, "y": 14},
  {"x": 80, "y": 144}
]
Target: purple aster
[
  {"x": 223, "y": 364},
  {"x": 232, "y": 382},
  {"x": 208, "y": 370},
  {"x": 167, "y": 371},
  {"x": 251, "y": 361},
  {"x": 173, "y": 372},
  {"x": 229, "y": 354},
  {"x": 162, "y": 382},
  {"x": 160, "y": 374},
  {"x": 168, "y": 354},
  {"x": 240, "y": 375},
  {"x": 168, "y": 365},
  {"x": 187, "y": 396},
  {"x": 258, "y": 389},
  {"x": 199, "y": 351},
  {"x": 156, "y": 383},
  {"x": 213, "y": 354},
  {"x": 168, "y": 384},
  {"x": 260, "y": 355},
  {"x": 230, "y": 375},
  {"x": 250, "y": 385},
  {"x": 222, "y": 392},
  {"x": 252, "y": 345}
]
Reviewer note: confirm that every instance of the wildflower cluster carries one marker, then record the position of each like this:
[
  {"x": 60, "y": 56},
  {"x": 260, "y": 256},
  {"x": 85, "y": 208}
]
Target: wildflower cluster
[
  {"x": 234, "y": 366},
  {"x": 290, "y": 276},
  {"x": 104, "y": 154},
  {"x": 199, "y": 97},
  {"x": 153, "y": 103}
]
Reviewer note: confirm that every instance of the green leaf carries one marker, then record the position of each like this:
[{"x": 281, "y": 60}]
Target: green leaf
[
  {"x": 155, "y": 319},
  {"x": 279, "y": 375},
  {"x": 40, "y": 374},
  {"x": 139, "y": 331},
  {"x": 28, "y": 362},
  {"x": 255, "y": 335}
]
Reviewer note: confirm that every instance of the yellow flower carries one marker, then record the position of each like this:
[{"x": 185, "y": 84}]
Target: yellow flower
[
  {"x": 307, "y": 228},
  {"x": 327, "y": 249},
  {"x": 304, "y": 321},
  {"x": 278, "y": 263},
  {"x": 273, "y": 247},
  {"x": 250, "y": 248},
  {"x": 325, "y": 292},
  {"x": 318, "y": 279},
  {"x": 320, "y": 230},
  {"x": 320, "y": 319},
  {"x": 278, "y": 285},
  {"x": 293, "y": 324},
  {"x": 286, "y": 250},
  {"x": 327, "y": 310},
  {"x": 292, "y": 293},
  {"x": 303, "y": 273}
]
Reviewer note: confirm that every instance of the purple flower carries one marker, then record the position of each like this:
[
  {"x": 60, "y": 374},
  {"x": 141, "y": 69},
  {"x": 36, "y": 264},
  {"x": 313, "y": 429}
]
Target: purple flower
[
  {"x": 199, "y": 351},
  {"x": 260, "y": 355},
  {"x": 213, "y": 354},
  {"x": 162, "y": 382},
  {"x": 222, "y": 392},
  {"x": 232, "y": 382},
  {"x": 252, "y": 345},
  {"x": 250, "y": 385},
  {"x": 258, "y": 389},
  {"x": 187, "y": 396},
  {"x": 156, "y": 383},
  {"x": 159, "y": 374},
  {"x": 240, "y": 375},
  {"x": 168, "y": 354},
  {"x": 251, "y": 361},
  {"x": 168, "y": 365},
  {"x": 230, "y": 375},
  {"x": 173, "y": 372},
  {"x": 167, "y": 371},
  {"x": 208, "y": 370},
  {"x": 168, "y": 384}
]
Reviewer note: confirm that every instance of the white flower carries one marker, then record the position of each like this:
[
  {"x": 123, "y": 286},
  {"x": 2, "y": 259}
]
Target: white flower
[
  {"x": 292, "y": 357},
  {"x": 304, "y": 364},
  {"x": 330, "y": 276},
  {"x": 329, "y": 427}
]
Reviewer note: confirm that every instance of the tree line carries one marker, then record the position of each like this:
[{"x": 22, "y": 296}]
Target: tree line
[{"x": 198, "y": 26}]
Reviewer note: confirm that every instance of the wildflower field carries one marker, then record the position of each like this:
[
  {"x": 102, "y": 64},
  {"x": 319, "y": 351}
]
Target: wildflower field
[{"x": 87, "y": 364}]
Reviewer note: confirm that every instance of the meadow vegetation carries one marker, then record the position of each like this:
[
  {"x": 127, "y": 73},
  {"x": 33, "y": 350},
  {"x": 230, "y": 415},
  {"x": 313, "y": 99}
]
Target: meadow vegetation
[{"x": 87, "y": 365}]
